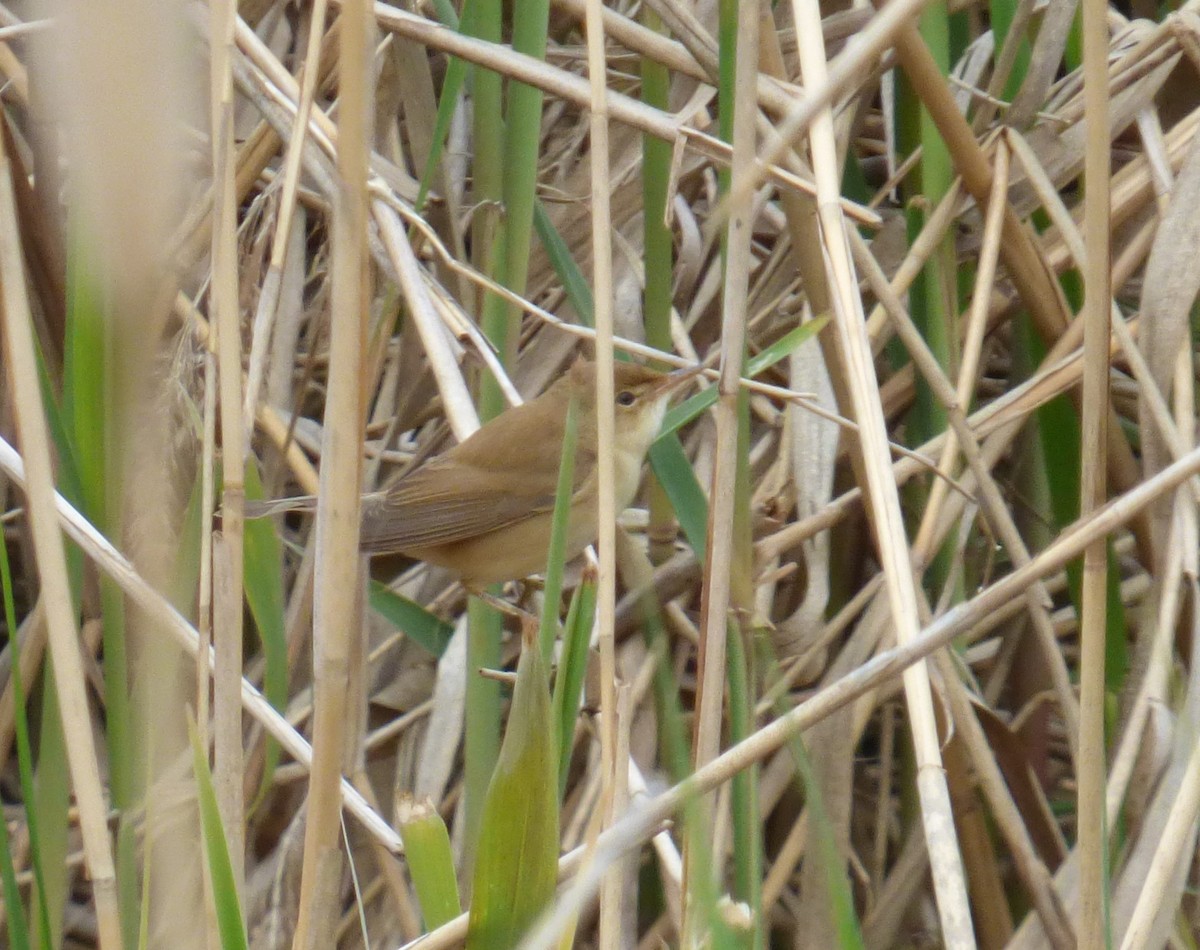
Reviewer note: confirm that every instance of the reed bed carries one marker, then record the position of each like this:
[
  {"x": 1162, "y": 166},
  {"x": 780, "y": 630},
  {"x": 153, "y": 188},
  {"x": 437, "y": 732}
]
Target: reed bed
[{"x": 897, "y": 646}]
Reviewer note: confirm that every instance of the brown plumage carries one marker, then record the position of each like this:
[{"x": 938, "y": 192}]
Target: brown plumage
[{"x": 483, "y": 509}]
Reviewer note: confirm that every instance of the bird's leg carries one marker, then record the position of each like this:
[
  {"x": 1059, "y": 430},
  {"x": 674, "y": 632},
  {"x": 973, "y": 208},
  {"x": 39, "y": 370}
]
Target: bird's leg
[{"x": 528, "y": 586}]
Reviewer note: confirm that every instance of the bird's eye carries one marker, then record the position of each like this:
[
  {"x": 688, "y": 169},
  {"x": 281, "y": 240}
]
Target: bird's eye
[{"x": 626, "y": 398}]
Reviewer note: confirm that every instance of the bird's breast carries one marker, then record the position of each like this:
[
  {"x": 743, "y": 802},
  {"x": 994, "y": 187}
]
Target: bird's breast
[{"x": 627, "y": 474}]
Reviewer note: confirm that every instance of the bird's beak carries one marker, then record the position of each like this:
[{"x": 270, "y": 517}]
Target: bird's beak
[{"x": 676, "y": 380}]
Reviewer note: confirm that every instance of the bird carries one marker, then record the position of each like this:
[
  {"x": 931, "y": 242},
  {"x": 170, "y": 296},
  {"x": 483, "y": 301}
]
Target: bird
[{"x": 484, "y": 508}]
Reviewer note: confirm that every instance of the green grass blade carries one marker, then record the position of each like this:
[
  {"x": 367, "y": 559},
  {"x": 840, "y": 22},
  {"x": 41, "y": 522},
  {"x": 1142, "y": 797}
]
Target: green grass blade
[
  {"x": 88, "y": 402},
  {"x": 674, "y": 472},
  {"x": 673, "y": 743},
  {"x": 446, "y": 13},
  {"x": 1003, "y": 12},
  {"x": 18, "y": 932},
  {"x": 50, "y": 750},
  {"x": 579, "y": 291},
  {"x": 18, "y": 929},
  {"x": 456, "y": 75},
  {"x": 557, "y": 555},
  {"x": 823, "y": 846},
  {"x": 522, "y": 134},
  {"x": 430, "y": 860},
  {"x": 490, "y": 186},
  {"x": 747, "y": 822},
  {"x": 86, "y": 387},
  {"x": 263, "y": 581},
  {"x": 230, "y": 926},
  {"x": 695, "y": 406},
  {"x": 847, "y": 926},
  {"x": 143, "y": 938},
  {"x": 516, "y": 866},
  {"x": 482, "y": 741},
  {"x": 658, "y": 256},
  {"x": 130, "y": 885},
  {"x": 933, "y": 297},
  {"x": 521, "y": 142},
  {"x": 51, "y": 798},
  {"x": 658, "y": 261},
  {"x": 67, "y": 474},
  {"x": 483, "y": 19},
  {"x": 572, "y": 668},
  {"x": 785, "y": 345},
  {"x": 415, "y": 621}
]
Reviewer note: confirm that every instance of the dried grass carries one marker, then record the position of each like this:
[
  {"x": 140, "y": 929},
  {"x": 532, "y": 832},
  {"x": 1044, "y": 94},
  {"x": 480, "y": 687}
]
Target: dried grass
[{"x": 921, "y": 605}]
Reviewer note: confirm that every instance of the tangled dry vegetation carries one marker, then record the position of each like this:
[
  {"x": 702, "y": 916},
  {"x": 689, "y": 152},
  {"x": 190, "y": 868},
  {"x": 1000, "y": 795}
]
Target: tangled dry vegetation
[{"x": 930, "y": 746}]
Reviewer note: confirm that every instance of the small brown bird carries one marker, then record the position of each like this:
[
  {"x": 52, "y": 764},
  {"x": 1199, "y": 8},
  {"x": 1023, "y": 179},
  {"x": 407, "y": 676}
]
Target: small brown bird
[{"x": 483, "y": 509}]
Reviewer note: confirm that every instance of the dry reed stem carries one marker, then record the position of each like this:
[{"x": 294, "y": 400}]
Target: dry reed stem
[
  {"x": 603, "y": 298},
  {"x": 1158, "y": 416},
  {"x": 991, "y": 500},
  {"x": 933, "y": 233},
  {"x": 1153, "y": 878},
  {"x": 267, "y": 419},
  {"x": 281, "y": 87},
  {"x": 61, "y": 623},
  {"x": 1178, "y": 835},
  {"x": 669, "y": 859},
  {"x": 1155, "y": 404},
  {"x": 31, "y": 635},
  {"x": 1069, "y": 545},
  {"x": 573, "y": 89},
  {"x": 228, "y": 547},
  {"x": 697, "y": 60},
  {"x": 963, "y": 617},
  {"x": 936, "y": 812},
  {"x": 1171, "y": 281},
  {"x": 1092, "y": 924},
  {"x": 1153, "y": 686},
  {"x": 840, "y": 73},
  {"x": 719, "y": 564},
  {"x": 1040, "y": 294},
  {"x": 973, "y": 343},
  {"x": 1059, "y": 373},
  {"x": 161, "y": 612},
  {"x": 204, "y": 599},
  {"x": 337, "y": 610},
  {"x": 268, "y": 301},
  {"x": 229, "y": 758},
  {"x": 1039, "y": 884},
  {"x": 635, "y": 348},
  {"x": 460, "y": 408},
  {"x": 1152, "y": 690},
  {"x": 615, "y": 916},
  {"x": 893, "y": 878},
  {"x": 1047, "y": 51}
]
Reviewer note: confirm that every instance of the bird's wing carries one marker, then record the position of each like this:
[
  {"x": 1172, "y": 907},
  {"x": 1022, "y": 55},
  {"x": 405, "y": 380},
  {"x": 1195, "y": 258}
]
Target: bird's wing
[{"x": 434, "y": 506}]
